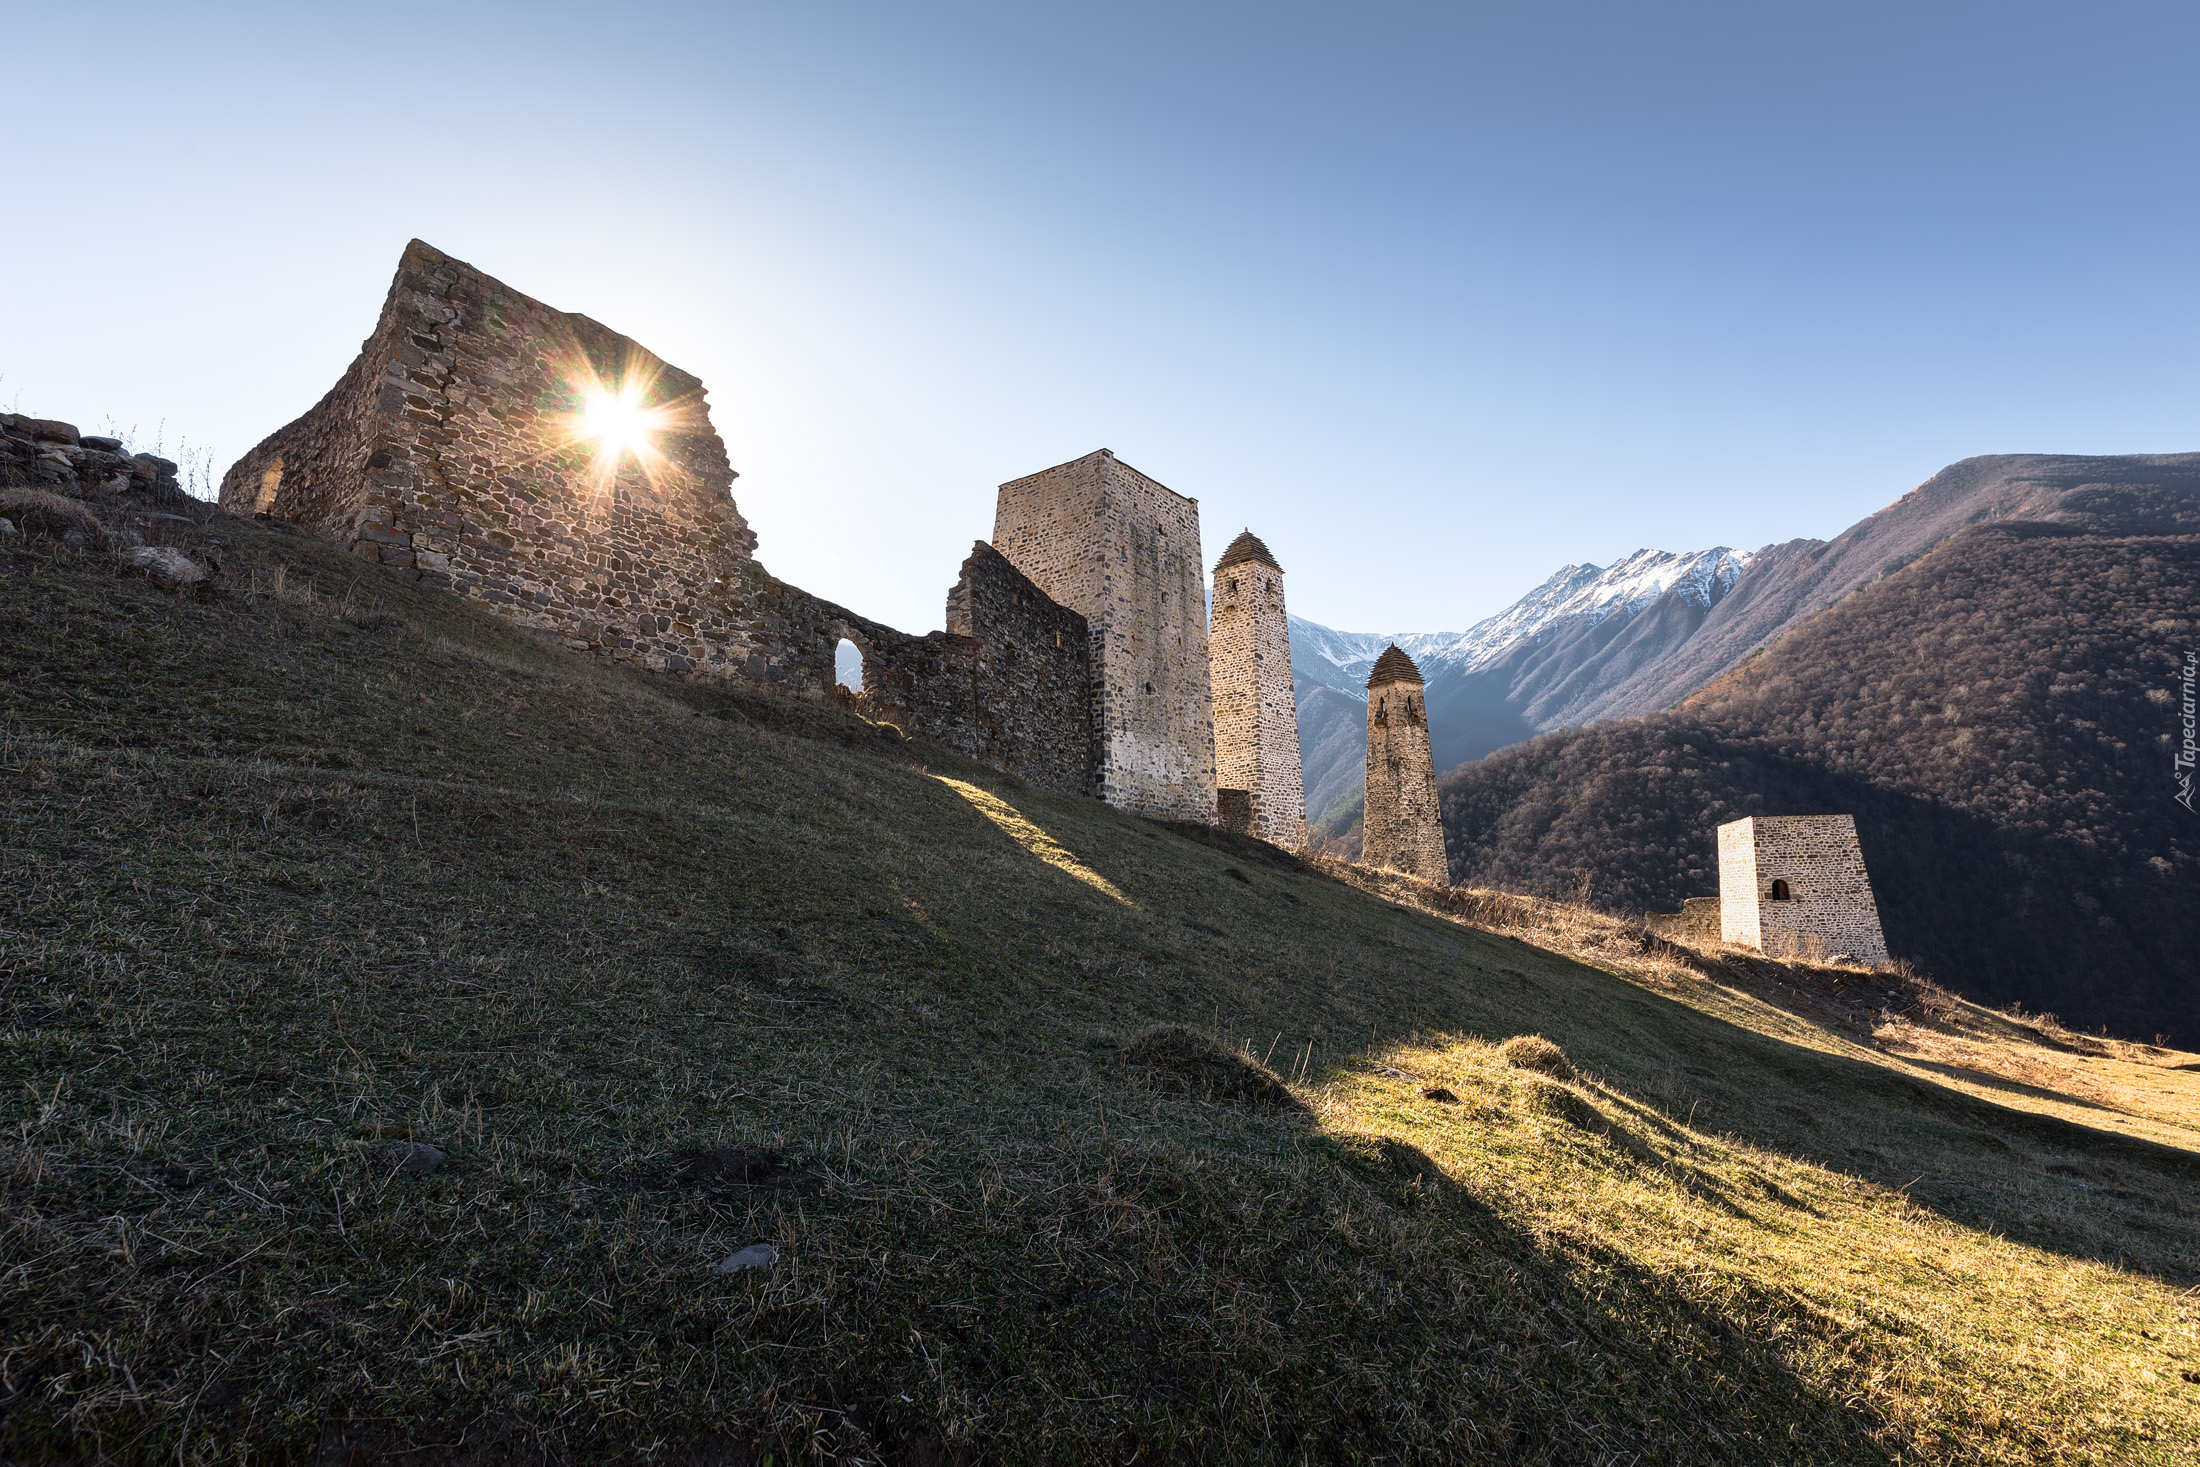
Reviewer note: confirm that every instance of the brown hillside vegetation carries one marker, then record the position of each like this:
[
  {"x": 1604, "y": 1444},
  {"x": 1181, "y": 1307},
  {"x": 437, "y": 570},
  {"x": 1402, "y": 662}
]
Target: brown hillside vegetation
[
  {"x": 403, "y": 1022},
  {"x": 2113, "y": 495},
  {"x": 1997, "y": 717}
]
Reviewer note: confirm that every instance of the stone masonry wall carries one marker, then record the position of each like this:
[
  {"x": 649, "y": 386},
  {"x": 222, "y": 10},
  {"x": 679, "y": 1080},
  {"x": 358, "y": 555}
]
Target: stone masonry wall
[
  {"x": 1829, "y": 910},
  {"x": 1123, "y": 550},
  {"x": 1256, "y": 708},
  {"x": 1696, "y": 921},
  {"x": 1009, "y": 682},
  {"x": 457, "y": 449},
  {"x": 1401, "y": 828}
]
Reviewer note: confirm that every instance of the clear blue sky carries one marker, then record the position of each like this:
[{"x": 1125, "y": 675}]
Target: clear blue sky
[{"x": 1435, "y": 298}]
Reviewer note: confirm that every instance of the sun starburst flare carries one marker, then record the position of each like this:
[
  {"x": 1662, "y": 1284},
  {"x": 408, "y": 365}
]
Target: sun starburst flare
[{"x": 615, "y": 415}]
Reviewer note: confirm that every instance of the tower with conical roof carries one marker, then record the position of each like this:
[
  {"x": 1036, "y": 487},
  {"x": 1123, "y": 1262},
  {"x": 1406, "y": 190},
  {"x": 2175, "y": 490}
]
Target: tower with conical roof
[
  {"x": 1261, "y": 790},
  {"x": 1401, "y": 828}
]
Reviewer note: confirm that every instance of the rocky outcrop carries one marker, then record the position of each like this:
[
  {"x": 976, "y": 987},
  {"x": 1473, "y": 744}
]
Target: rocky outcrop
[
  {"x": 42, "y": 453},
  {"x": 90, "y": 493}
]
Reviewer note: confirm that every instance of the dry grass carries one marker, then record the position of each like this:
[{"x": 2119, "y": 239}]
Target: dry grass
[
  {"x": 36, "y": 512},
  {"x": 667, "y": 971}
]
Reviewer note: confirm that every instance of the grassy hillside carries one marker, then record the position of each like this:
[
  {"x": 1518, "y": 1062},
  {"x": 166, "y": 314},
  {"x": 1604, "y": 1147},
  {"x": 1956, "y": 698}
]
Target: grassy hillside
[
  {"x": 1075, "y": 1137},
  {"x": 1998, "y": 717}
]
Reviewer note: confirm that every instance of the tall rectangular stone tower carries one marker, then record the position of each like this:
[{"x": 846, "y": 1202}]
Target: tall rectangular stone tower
[
  {"x": 1401, "y": 829},
  {"x": 1123, "y": 551},
  {"x": 1795, "y": 886},
  {"x": 1262, "y": 790}
]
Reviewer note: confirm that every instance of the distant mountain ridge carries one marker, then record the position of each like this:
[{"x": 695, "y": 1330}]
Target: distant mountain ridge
[
  {"x": 1542, "y": 662},
  {"x": 1587, "y": 593},
  {"x": 2124, "y": 494},
  {"x": 1592, "y": 644}
]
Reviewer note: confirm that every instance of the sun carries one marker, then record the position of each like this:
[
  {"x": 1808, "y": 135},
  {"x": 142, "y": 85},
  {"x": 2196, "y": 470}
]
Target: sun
[{"x": 619, "y": 424}]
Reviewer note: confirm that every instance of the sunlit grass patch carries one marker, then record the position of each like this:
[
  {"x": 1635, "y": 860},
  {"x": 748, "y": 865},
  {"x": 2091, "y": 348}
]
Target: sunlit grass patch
[{"x": 1021, "y": 830}]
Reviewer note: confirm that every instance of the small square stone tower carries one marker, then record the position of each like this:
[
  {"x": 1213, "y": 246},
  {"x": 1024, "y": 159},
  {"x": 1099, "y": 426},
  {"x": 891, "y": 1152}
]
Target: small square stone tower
[
  {"x": 1262, "y": 790},
  {"x": 1122, "y": 550},
  {"x": 1401, "y": 828},
  {"x": 1795, "y": 886}
]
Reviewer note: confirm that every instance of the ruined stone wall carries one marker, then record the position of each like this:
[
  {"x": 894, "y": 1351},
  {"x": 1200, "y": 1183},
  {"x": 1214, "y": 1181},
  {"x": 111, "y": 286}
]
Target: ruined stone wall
[
  {"x": 1009, "y": 683},
  {"x": 457, "y": 447},
  {"x": 1123, "y": 551},
  {"x": 1828, "y": 911},
  {"x": 1256, "y": 708},
  {"x": 44, "y": 453},
  {"x": 1401, "y": 828}
]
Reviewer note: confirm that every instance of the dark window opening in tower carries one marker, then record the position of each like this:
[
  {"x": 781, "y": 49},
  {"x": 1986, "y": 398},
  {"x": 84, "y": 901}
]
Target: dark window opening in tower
[{"x": 1780, "y": 891}]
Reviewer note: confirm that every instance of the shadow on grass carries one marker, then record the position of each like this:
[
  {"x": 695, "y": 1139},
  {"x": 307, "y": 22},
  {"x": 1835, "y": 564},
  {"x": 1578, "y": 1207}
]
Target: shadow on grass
[{"x": 1237, "y": 1319}]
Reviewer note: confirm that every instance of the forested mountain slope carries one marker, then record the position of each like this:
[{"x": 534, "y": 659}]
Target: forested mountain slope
[
  {"x": 1595, "y": 643},
  {"x": 1998, "y": 716}
]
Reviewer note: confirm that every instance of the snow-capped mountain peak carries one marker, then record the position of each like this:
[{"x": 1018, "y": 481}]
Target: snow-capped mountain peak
[{"x": 1589, "y": 592}]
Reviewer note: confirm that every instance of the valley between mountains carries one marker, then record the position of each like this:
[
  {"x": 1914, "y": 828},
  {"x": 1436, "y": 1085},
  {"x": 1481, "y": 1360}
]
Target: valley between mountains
[{"x": 1985, "y": 673}]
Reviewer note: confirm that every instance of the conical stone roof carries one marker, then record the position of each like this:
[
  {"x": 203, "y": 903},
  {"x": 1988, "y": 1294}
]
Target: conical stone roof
[
  {"x": 1245, "y": 547},
  {"x": 1393, "y": 667}
]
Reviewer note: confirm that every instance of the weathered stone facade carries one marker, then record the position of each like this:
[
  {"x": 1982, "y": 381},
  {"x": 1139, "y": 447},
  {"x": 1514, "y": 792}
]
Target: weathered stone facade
[
  {"x": 1795, "y": 886},
  {"x": 1009, "y": 682},
  {"x": 460, "y": 446},
  {"x": 1401, "y": 829},
  {"x": 465, "y": 446},
  {"x": 1256, "y": 709},
  {"x": 1123, "y": 550}
]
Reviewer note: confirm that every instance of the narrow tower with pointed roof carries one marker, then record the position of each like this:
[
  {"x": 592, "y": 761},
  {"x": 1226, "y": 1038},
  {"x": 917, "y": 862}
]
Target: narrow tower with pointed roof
[
  {"x": 1261, "y": 790},
  {"x": 1401, "y": 829}
]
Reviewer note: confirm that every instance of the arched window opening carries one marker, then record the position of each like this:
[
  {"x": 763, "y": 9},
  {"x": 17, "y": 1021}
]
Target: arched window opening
[
  {"x": 848, "y": 665},
  {"x": 1780, "y": 890}
]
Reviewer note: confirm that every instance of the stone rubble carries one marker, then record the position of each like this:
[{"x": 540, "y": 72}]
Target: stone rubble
[
  {"x": 166, "y": 564},
  {"x": 756, "y": 1255}
]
